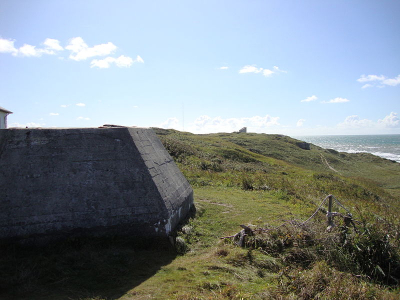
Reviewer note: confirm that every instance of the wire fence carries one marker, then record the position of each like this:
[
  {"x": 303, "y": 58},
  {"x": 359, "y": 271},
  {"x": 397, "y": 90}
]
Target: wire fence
[{"x": 330, "y": 198}]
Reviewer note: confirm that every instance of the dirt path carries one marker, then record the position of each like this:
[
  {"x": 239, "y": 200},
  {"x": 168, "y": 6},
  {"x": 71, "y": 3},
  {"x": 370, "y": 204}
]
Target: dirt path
[{"x": 327, "y": 164}]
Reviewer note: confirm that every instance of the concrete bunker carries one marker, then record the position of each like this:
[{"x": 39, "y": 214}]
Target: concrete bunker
[{"x": 56, "y": 181}]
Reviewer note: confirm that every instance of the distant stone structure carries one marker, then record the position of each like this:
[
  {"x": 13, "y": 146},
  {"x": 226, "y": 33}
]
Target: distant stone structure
[
  {"x": 3, "y": 117},
  {"x": 244, "y": 130},
  {"x": 118, "y": 179},
  {"x": 304, "y": 145}
]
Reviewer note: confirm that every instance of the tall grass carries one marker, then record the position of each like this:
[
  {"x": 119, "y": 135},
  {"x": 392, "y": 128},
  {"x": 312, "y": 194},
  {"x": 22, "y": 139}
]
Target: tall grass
[{"x": 370, "y": 252}]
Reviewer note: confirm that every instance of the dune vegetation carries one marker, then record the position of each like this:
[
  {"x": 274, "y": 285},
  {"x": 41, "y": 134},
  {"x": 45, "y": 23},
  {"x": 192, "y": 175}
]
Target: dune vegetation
[{"x": 268, "y": 183}]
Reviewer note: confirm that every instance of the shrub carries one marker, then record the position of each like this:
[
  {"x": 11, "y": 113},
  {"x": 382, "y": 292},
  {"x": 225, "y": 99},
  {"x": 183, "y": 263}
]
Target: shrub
[
  {"x": 323, "y": 282},
  {"x": 247, "y": 184},
  {"x": 181, "y": 246},
  {"x": 371, "y": 253},
  {"x": 177, "y": 149}
]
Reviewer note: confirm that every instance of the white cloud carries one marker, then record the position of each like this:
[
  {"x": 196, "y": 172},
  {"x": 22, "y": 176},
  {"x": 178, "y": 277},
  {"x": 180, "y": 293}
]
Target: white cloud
[
  {"x": 265, "y": 72},
  {"x": 206, "y": 124},
  {"x": 139, "y": 59},
  {"x": 29, "y": 50},
  {"x": 392, "y": 81},
  {"x": 390, "y": 121},
  {"x": 250, "y": 69},
  {"x": 102, "y": 63},
  {"x": 53, "y": 44},
  {"x": 261, "y": 122},
  {"x": 26, "y": 125},
  {"x": 366, "y": 86},
  {"x": 82, "y": 118},
  {"x": 300, "y": 122},
  {"x": 368, "y": 78},
  {"x": 355, "y": 122},
  {"x": 81, "y": 51},
  {"x": 337, "y": 100},
  {"x": 121, "y": 62},
  {"x": 309, "y": 99},
  {"x": 7, "y": 46},
  {"x": 64, "y": 106},
  {"x": 267, "y": 124},
  {"x": 77, "y": 45},
  {"x": 54, "y": 114},
  {"x": 52, "y": 47},
  {"x": 124, "y": 61},
  {"x": 170, "y": 123},
  {"x": 378, "y": 80},
  {"x": 279, "y": 70},
  {"x": 202, "y": 120},
  {"x": 81, "y": 104},
  {"x": 223, "y": 68}
]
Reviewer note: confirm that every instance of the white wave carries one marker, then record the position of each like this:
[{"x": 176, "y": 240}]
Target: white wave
[
  {"x": 391, "y": 156},
  {"x": 386, "y": 146}
]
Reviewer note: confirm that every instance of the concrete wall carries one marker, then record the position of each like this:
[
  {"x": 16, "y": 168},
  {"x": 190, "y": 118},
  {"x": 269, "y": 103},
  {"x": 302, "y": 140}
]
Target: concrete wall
[
  {"x": 3, "y": 121},
  {"x": 61, "y": 180}
]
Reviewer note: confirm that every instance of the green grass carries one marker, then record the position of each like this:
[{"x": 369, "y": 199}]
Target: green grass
[
  {"x": 257, "y": 180},
  {"x": 216, "y": 268}
]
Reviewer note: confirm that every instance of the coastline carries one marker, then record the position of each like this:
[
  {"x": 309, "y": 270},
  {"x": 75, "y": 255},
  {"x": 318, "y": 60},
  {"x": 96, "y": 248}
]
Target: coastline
[{"x": 386, "y": 145}]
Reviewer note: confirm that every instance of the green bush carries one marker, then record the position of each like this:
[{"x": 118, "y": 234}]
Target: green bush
[
  {"x": 181, "y": 246},
  {"x": 370, "y": 252},
  {"x": 247, "y": 183}
]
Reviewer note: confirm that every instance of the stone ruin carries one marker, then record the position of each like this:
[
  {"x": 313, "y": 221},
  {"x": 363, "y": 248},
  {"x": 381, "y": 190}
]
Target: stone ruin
[
  {"x": 118, "y": 179},
  {"x": 304, "y": 145},
  {"x": 244, "y": 130}
]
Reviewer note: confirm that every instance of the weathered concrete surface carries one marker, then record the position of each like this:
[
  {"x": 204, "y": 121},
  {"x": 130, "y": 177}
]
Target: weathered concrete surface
[{"x": 61, "y": 180}]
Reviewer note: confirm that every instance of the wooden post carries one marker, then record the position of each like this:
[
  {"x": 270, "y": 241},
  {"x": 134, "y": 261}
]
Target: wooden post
[
  {"x": 330, "y": 209},
  {"x": 329, "y": 214}
]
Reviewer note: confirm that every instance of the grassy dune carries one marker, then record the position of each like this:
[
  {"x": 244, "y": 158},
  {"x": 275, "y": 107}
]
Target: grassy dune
[{"x": 262, "y": 181}]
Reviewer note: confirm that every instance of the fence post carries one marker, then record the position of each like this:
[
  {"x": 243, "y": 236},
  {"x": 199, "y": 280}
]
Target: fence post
[{"x": 329, "y": 214}]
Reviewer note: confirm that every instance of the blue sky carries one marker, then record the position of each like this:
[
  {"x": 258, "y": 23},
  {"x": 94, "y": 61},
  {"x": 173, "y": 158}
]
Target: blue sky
[{"x": 289, "y": 67}]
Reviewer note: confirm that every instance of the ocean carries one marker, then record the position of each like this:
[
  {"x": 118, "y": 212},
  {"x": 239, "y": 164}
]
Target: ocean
[{"x": 386, "y": 146}]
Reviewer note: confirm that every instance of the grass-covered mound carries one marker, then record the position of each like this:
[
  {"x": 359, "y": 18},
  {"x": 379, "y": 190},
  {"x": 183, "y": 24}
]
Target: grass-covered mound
[{"x": 267, "y": 182}]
